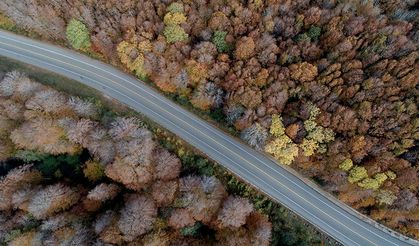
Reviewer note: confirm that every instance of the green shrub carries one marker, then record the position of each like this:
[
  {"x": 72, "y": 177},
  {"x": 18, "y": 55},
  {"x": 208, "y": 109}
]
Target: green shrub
[
  {"x": 175, "y": 8},
  {"x": 302, "y": 37},
  {"x": 30, "y": 155},
  {"x": 48, "y": 166},
  {"x": 54, "y": 166},
  {"x": 191, "y": 230},
  {"x": 78, "y": 34},
  {"x": 9, "y": 236},
  {"x": 314, "y": 32},
  {"x": 218, "y": 39}
]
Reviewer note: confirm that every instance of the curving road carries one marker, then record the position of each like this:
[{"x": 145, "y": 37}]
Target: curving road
[{"x": 279, "y": 182}]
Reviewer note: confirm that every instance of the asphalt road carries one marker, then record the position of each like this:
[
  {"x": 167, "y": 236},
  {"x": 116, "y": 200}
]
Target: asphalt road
[{"x": 279, "y": 182}]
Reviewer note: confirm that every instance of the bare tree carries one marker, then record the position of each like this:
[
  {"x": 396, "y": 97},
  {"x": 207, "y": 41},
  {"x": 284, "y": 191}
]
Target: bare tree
[
  {"x": 133, "y": 176},
  {"x": 52, "y": 199},
  {"x": 136, "y": 151},
  {"x": 82, "y": 107},
  {"x": 48, "y": 101},
  {"x": 8, "y": 84},
  {"x": 167, "y": 165},
  {"x": 103, "y": 221},
  {"x": 127, "y": 128},
  {"x": 18, "y": 86},
  {"x": 202, "y": 196},
  {"x": 60, "y": 220},
  {"x": 137, "y": 216},
  {"x": 406, "y": 200},
  {"x": 22, "y": 197},
  {"x": 255, "y": 136},
  {"x": 159, "y": 238},
  {"x": 230, "y": 237},
  {"x": 101, "y": 146},
  {"x": 27, "y": 238},
  {"x": 180, "y": 218},
  {"x": 100, "y": 194},
  {"x": 12, "y": 109},
  {"x": 43, "y": 134},
  {"x": 79, "y": 133},
  {"x": 26, "y": 88},
  {"x": 6, "y": 148},
  {"x": 260, "y": 229},
  {"x": 30, "y": 14},
  {"x": 103, "y": 192},
  {"x": 15, "y": 180},
  {"x": 234, "y": 212},
  {"x": 163, "y": 192}
]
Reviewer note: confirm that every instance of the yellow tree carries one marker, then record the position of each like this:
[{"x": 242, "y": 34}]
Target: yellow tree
[{"x": 282, "y": 147}]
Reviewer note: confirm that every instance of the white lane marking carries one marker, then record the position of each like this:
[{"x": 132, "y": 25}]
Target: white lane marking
[
  {"x": 208, "y": 136},
  {"x": 197, "y": 139}
]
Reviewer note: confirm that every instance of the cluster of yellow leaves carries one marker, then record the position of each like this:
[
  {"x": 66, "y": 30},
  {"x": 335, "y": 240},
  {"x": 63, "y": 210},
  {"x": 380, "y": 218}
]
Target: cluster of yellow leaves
[
  {"x": 125, "y": 49},
  {"x": 377, "y": 181},
  {"x": 346, "y": 165},
  {"x": 175, "y": 33},
  {"x": 93, "y": 171},
  {"x": 145, "y": 46},
  {"x": 282, "y": 147},
  {"x": 245, "y": 48},
  {"x": 256, "y": 3},
  {"x": 303, "y": 72},
  {"x": 385, "y": 197},
  {"x": 172, "y": 20},
  {"x": 359, "y": 175},
  {"x": 317, "y": 136},
  {"x": 277, "y": 128},
  {"x": 196, "y": 71}
]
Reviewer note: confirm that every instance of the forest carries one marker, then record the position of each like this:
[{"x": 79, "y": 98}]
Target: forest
[
  {"x": 69, "y": 179},
  {"x": 328, "y": 87}
]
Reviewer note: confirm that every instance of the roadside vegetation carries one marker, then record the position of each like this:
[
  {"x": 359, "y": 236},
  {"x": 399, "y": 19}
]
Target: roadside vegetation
[{"x": 327, "y": 87}]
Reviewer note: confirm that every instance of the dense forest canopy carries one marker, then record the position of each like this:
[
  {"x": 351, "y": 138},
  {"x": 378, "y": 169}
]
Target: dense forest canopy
[{"x": 327, "y": 86}]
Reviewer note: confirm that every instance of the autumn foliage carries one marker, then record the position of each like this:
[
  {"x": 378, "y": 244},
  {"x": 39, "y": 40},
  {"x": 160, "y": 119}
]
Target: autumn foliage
[
  {"x": 355, "y": 62},
  {"x": 128, "y": 191}
]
